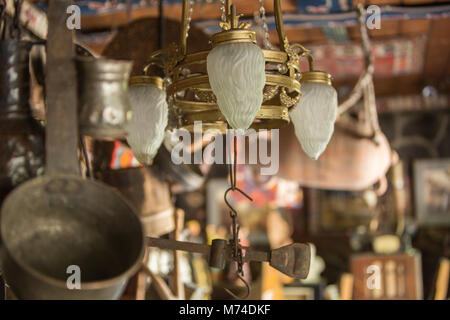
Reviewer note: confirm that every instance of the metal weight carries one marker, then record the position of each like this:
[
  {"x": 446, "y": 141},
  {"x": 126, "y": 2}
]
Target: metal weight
[
  {"x": 104, "y": 108},
  {"x": 293, "y": 260},
  {"x": 216, "y": 257}
]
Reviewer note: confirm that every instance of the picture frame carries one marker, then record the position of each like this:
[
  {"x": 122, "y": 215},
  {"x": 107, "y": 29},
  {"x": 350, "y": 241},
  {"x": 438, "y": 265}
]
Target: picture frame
[
  {"x": 387, "y": 276},
  {"x": 432, "y": 191},
  {"x": 336, "y": 211},
  {"x": 304, "y": 291}
]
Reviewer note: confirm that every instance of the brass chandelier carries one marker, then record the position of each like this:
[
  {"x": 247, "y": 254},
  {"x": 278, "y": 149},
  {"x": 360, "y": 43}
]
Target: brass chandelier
[
  {"x": 187, "y": 80},
  {"x": 234, "y": 85}
]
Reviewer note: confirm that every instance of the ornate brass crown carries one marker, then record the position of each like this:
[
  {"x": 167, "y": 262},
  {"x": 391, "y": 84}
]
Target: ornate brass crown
[{"x": 189, "y": 93}]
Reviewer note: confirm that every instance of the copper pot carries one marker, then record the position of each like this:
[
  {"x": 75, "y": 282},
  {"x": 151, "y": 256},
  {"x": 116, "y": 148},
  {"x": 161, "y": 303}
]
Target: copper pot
[{"x": 348, "y": 163}]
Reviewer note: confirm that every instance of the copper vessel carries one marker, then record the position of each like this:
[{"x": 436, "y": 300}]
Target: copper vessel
[{"x": 104, "y": 108}]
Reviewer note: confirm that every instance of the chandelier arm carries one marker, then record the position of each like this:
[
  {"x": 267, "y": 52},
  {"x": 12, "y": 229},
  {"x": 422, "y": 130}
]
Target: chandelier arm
[
  {"x": 284, "y": 44},
  {"x": 234, "y": 17},
  {"x": 310, "y": 60},
  {"x": 157, "y": 53},
  {"x": 305, "y": 53},
  {"x": 228, "y": 4},
  {"x": 153, "y": 62},
  {"x": 184, "y": 27},
  {"x": 154, "y": 59}
]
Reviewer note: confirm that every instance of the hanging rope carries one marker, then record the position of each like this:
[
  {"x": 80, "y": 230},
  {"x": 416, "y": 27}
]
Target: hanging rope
[
  {"x": 364, "y": 87},
  {"x": 366, "y": 76}
]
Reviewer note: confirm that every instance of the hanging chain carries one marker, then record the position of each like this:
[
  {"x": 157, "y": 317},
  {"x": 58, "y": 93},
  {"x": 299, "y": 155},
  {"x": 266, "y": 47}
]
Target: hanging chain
[
  {"x": 191, "y": 10},
  {"x": 237, "y": 251},
  {"x": 262, "y": 12},
  {"x": 222, "y": 10},
  {"x": 237, "y": 254}
]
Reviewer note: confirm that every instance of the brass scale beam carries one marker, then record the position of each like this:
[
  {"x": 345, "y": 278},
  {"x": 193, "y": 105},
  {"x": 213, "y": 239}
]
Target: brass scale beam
[{"x": 292, "y": 260}]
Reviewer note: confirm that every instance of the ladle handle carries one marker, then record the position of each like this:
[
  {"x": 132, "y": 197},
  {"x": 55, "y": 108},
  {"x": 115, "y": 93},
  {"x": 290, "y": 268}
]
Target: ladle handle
[{"x": 61, "y": 92}]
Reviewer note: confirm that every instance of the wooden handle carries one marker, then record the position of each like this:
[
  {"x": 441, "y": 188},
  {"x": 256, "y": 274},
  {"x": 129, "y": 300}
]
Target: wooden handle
[
  {"x": 346, "y": 286},
  {"x": 160, "y": 285},
  {"x": 442, "y": 280},
  {"x": 178, "y": 283},
  {"x": 61, "y": 91}
]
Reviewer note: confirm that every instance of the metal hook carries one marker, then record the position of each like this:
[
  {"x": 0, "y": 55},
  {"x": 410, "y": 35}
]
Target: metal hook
[
  {"x": 247, "y": 286},
  {"x": 235, "y": 189},
  {"x": 234, "y": 242}
]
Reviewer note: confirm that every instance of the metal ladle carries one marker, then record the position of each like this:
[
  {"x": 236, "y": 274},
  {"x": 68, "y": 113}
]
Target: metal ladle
[{"x": 60, "y": 220}]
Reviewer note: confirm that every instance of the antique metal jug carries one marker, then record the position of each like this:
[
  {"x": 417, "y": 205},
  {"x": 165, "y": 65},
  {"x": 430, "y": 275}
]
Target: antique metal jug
[
  {"x": 21, "y": 136},
  {"x": 104, "y": 108}
]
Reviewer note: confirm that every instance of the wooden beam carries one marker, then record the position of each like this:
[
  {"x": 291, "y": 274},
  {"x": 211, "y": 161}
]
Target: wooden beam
[
  {"x": 201, "y": 11},
  {"x": 390, "y": 29},
  {"x": 396, "y": 85},
  {"x": 438, "y": 49}
]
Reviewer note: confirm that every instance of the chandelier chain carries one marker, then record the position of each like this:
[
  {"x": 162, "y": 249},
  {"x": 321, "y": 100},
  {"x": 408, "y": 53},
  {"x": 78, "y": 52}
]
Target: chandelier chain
[
  {"x": 222, "y": 10},
  {"x": 262, "y": 11},
  {"x": 189, "y": 18}
]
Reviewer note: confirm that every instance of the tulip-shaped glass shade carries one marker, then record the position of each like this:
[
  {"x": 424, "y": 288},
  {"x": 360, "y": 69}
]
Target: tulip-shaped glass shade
[
  {"x": 237, "y": 76},
  {"x": 314, "y": 116},
  {"x": 149, "y": 119}
]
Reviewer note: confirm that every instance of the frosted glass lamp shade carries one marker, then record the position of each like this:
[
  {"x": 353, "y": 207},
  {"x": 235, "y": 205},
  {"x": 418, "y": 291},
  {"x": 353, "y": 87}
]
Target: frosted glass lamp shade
[
  {"x": 148, "y": 122},
  {"x": 314, "y": 116},
  {"x": 237, "y": 77}
]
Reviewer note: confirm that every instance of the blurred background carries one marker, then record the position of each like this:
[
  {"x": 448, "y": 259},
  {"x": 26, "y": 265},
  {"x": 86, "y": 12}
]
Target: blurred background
[{"x": 374, "y": 211}]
